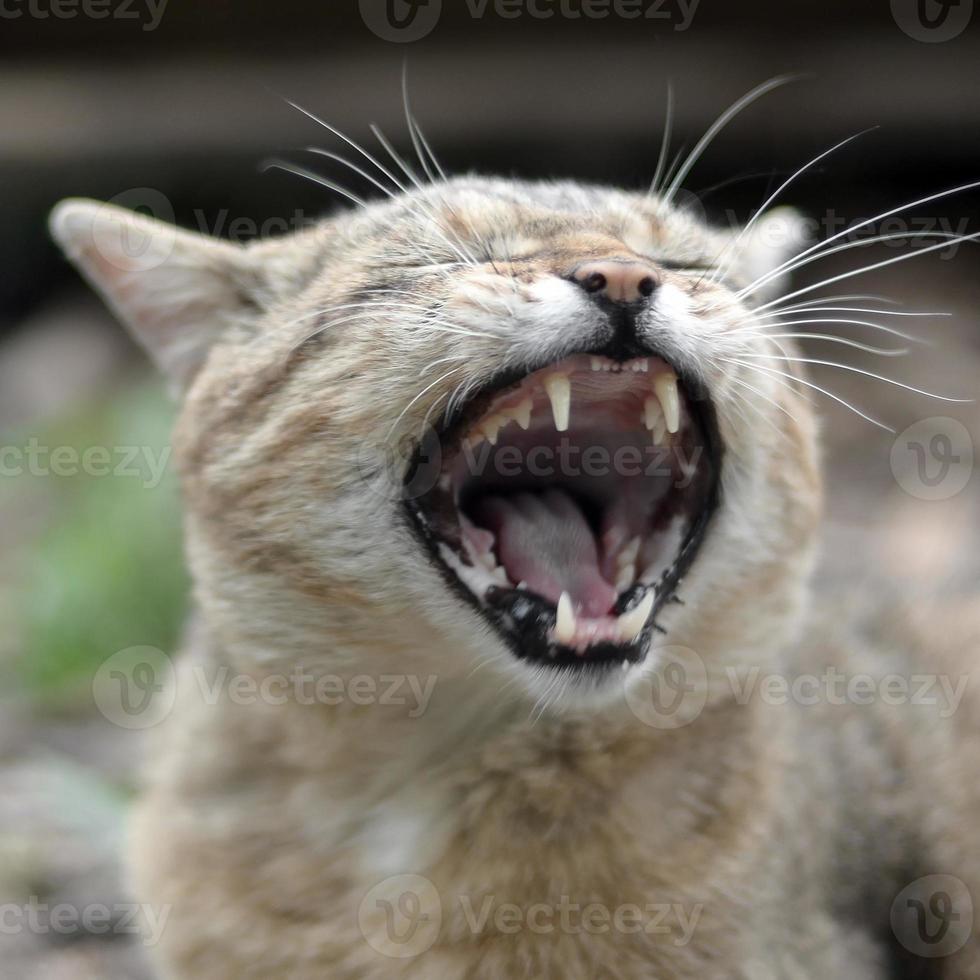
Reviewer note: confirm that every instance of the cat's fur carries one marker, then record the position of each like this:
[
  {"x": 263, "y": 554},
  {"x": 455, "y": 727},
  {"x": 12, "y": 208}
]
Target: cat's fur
[{"x": 786, "y": 831}]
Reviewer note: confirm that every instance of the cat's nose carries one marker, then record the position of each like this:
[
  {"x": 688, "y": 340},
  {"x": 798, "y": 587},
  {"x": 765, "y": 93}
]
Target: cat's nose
[{"x": 621, "y": 281}]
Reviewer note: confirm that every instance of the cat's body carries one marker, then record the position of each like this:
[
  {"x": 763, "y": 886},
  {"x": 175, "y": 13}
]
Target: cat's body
[
  {"x": 754, "y": 844},
  {"x": 521, "y": 822}
]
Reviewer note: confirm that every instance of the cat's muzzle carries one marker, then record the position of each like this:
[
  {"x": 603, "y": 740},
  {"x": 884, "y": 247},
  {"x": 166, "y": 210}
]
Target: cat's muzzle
[{"x": 570, "y": 503}]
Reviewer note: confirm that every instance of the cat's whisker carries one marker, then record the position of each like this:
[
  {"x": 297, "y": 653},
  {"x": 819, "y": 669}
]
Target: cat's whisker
[
  {"x": 810, "y": 384},
  {"x": 876, "y": 265},
  {"x": 852, "y": 298},
  {"x": 373, "y": 160},
  {"x": 360, "y": 171},
  {"x": 803, "y": 308},
  {"x": 865, "y": 242},
  {"x": 716, "y": 127},
  {"x": 421, "y": 394},
  {"x": 722, "y": 273},
  {"x": 316, "y": 178},
  {"x": 864, "y": 373},
  {"x": 761, "y": 394},
  {"x": 399, "y": 160},
  {"x": 843, "y": 341},
  {"x": 442, "y": 360},
  {"x": 781, "y": 269},
  {"x": 659, "y": 174},
  {"x": 891, "y": 331}
]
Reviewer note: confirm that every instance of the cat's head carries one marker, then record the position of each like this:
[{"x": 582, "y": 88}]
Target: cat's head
[{"x": 529, "y": 426}]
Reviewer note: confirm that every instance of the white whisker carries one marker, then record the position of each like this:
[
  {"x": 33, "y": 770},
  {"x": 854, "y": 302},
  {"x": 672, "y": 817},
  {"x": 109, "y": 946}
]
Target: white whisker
[
  {"x": 815, "y": 387},
  {"x": 716, "y": 127},
  {"x": 863, "y": 372}
]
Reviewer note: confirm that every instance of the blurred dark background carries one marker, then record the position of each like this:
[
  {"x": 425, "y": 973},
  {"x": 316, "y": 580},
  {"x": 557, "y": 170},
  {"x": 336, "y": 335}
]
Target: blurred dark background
[{"x": 176, "y": 107}]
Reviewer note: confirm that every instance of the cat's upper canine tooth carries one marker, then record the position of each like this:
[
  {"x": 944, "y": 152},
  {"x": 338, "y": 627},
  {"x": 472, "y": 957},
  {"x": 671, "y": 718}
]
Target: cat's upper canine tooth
[
  {"x": 665, "y": 385},
  {"x": 630, "y": 624},
  {"x": 651, "y": 411},
  {"x": 596, "y": 363},
  {"x": 565, "y": 621},
  {"x": 559, "y": 391}
]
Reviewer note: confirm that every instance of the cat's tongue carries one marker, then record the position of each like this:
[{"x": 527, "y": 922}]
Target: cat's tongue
[{"x": 544, "y": 540}]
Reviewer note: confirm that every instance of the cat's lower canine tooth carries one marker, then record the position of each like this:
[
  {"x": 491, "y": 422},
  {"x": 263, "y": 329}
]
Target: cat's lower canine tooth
[
  {"x": 559, "y": 391},
  {"x": 565, "y": 622},
  {"x": 631, "y": 623}
]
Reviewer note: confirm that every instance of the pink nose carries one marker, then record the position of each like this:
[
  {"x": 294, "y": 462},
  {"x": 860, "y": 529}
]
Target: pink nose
[{"x": 622, "y": 281}]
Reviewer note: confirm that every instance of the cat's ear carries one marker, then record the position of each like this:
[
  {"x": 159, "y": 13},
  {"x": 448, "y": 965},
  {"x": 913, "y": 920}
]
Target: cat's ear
[
  {"x": 175, "y": 290},
  {"x": 773, "y": 238}
]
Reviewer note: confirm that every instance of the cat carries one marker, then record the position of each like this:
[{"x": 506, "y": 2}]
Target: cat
[{"x": 500, "y": 493}]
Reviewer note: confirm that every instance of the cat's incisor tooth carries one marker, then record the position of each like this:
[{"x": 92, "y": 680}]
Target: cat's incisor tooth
[
  {"x": 491, "y": 426},
  {"x": 522, "y": 413},
  {"x": 665, "y": 385},
  {"x": 630, "y": 624},
  {"x": 565, "y": 622},
  {"x": 559, "y": 391}
]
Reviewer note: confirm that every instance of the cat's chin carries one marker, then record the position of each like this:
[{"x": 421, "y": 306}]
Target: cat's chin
[{"x": 569, "y": 503}]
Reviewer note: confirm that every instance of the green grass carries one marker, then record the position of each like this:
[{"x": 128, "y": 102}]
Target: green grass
[{"x": 106, "y": 571}]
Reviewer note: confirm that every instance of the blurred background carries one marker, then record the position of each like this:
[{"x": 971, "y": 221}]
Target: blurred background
[{"x": 173, "y": 107}]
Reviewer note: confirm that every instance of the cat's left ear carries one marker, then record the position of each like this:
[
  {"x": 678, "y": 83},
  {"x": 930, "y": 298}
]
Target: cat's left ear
[
  {"x": 773, "y": 239},
  {"x": 177, "y": 291}
]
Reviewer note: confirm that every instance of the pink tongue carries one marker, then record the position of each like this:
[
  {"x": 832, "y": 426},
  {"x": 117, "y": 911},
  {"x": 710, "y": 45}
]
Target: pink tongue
[{"x": 544, "y": 540}]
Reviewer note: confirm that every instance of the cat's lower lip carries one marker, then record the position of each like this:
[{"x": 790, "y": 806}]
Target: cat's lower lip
[{"x": 571, "y": 501}]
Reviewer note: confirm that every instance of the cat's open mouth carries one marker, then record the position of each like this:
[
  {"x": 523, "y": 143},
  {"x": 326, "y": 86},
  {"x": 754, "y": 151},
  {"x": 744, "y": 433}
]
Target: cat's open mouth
[{"x": 568, "y": 504}]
